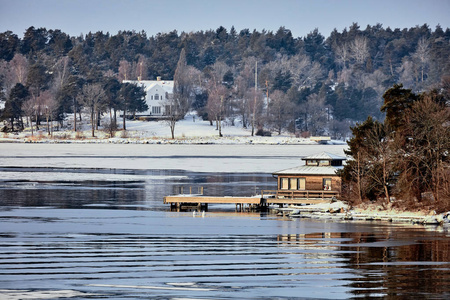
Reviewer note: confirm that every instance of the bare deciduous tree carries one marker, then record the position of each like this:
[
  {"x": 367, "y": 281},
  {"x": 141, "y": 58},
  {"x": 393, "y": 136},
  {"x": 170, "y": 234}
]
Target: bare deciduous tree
[
  {"x": 314, "y": 114},
  {"x": 19, "y": 66},
  {"x": 425, "y": 156},
  {"x": 280, "y": 110},
  {"x": 422, "y": 56},
  {"x": 141, "y": 68},
  {"x": 49, "y": 105},
  {"x": 124, "y": 70},
  {"x": 61, "y": 72},
  {"x": 216, "y": 104},
  {"x": 92, "y": 97},
  {"x": 359, "y": 49},
  {"x": 342, "y": 55},
  {"x": 29, "y": 109}
]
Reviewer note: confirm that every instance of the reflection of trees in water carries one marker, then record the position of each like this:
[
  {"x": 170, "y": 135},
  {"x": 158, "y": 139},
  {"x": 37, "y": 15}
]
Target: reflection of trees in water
[
  {"x": 75, "y": 194},
  {"x": 226, "y": 184},
  {"x": 397, "y": 263}
]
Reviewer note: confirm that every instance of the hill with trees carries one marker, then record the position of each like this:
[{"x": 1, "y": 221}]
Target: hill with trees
[{"x": 308, "y": 85}]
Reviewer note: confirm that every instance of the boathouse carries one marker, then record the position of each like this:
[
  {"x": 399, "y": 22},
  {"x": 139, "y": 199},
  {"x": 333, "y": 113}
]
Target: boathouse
[
  {"x": 314, "y": 182},
  {"x": 317, "y": 178}
]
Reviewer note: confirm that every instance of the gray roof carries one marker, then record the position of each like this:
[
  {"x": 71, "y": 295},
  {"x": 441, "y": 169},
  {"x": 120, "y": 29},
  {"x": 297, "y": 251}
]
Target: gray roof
[
  {"x": 324, "y": 156},
  {"x": 309, "y": 170}
]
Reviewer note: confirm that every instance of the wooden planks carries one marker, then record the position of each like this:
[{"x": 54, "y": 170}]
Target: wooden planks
[{"x": 211, "y": 200}]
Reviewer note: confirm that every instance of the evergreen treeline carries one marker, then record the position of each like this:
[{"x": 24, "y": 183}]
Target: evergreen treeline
[{"x": 315, "y": 84}]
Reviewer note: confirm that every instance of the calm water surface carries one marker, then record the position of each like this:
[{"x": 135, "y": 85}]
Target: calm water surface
[{"x": 105, "y": 234}]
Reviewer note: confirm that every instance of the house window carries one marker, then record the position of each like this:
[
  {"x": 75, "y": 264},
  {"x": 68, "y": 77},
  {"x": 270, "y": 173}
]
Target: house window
[
  {"x": 156, "y": 97},
  {"x": 327, "y": 184},
  {"x": 310, "y": 162},
  {"x": 302, "y": 183},
  {"x": 293, "y": 185},
  {"x": 156, "y": 110},
  {"x": 284, "y": 183},
  {"x": 324, "y": 162}
]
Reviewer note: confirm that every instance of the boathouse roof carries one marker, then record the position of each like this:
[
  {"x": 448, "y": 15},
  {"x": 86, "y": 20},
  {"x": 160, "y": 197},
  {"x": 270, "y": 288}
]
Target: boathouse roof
[
  {"x": 309, "y": 170},
  {"x": 315, "y": 165},
  {"x": 324, "y": 156}
]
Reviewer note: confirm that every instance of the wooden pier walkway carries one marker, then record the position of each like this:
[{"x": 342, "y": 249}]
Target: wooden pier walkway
[{"x": 200, "y": 202}]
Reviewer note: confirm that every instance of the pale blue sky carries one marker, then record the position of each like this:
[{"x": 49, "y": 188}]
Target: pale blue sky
[{"x": 300, "y": 16}]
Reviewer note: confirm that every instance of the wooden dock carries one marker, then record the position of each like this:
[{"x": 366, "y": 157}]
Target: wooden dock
[{"x": 200, "y": 202}]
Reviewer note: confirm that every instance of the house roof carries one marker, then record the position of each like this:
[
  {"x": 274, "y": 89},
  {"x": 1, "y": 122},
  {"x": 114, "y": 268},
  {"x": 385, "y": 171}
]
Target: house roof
[
  {"x": 309, "y": 170},
  {"x": 324, "y": 156},
  {"x": 166, "y": 85}
]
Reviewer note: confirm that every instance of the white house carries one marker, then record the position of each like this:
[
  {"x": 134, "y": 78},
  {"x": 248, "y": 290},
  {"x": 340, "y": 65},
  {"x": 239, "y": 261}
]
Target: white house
[{"x": 158, "y": 92}]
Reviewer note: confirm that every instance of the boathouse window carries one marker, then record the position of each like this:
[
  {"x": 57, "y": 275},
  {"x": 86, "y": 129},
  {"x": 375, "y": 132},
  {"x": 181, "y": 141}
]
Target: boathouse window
[
  {"x": 310, "y": 162},
  {"x": 284, "y": 183},
  {"x": 302, "y": 183},
  {"x": 293, "y": 184},
  {"x": 324, "y": 163},
  {"x": 336, "y": 163},
  {"x": 156, "y": 97},
  {"x": 327, "y": 184}
]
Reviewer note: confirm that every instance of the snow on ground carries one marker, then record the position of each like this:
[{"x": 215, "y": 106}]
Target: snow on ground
[{"x": 190, "y": 130}]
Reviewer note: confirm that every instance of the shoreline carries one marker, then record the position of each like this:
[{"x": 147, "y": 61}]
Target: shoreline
[
  {"x": 225, "y": 140},
  {"x": 339, "y": 211}
]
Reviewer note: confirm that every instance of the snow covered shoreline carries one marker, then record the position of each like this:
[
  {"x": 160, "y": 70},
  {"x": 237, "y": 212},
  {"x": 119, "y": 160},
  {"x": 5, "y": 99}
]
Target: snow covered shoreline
[
  {"x": 226, "y": 140},
  {"x": 340, "y": 211},
  {"x": 190, "y": 130}
]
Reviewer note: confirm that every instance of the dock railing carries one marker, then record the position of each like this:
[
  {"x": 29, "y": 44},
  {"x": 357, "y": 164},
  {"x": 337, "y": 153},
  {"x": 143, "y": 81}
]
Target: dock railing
[
  {"x": 184, "y": 190},
  {"x": 299, "y": 194}
]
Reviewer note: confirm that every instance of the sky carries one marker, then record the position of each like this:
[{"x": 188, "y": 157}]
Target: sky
[{"x": 76, "y": 17}]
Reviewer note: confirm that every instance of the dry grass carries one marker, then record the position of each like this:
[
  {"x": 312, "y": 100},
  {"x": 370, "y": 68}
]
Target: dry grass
[{"x": 79, "y": 135}]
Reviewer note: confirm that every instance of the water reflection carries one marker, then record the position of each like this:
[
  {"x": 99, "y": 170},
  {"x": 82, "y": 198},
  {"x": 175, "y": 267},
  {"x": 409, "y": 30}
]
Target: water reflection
[
  {"x": 395, "y": 263},
  {"x": 139, "y": 189}
]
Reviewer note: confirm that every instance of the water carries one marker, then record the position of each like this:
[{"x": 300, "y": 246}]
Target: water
[{"x": 103, "y": 233}]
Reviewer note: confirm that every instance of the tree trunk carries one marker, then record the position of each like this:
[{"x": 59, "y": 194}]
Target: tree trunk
[
  {"x": 36, "y": 121},
  {"x": 358, "y": 178},
  {"x": 31, "y": 125},
  {"x": 93, "y": 122},
  {"x": 48, "y": 126},
  {"x": 97, "y": 120},
  {"x": 172, "y": 128},
  {"x": 124, "y": 117},
  {"x": 385, "y": 182}
]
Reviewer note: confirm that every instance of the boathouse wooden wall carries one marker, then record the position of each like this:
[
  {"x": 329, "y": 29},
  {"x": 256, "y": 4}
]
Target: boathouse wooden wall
[{"x": 313, "y": 182}]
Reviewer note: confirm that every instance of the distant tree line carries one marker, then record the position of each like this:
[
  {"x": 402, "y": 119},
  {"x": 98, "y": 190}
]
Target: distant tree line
[{"x": 308, "y": 85}]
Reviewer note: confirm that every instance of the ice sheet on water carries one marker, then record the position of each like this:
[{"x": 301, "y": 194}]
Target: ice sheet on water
[
  {"x": 196, "y": 158},
  {"x": 35, "y": 177}
]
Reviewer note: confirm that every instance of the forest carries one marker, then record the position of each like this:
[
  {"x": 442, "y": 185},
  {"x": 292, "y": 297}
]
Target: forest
[{"x": 312, "y": 85}]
